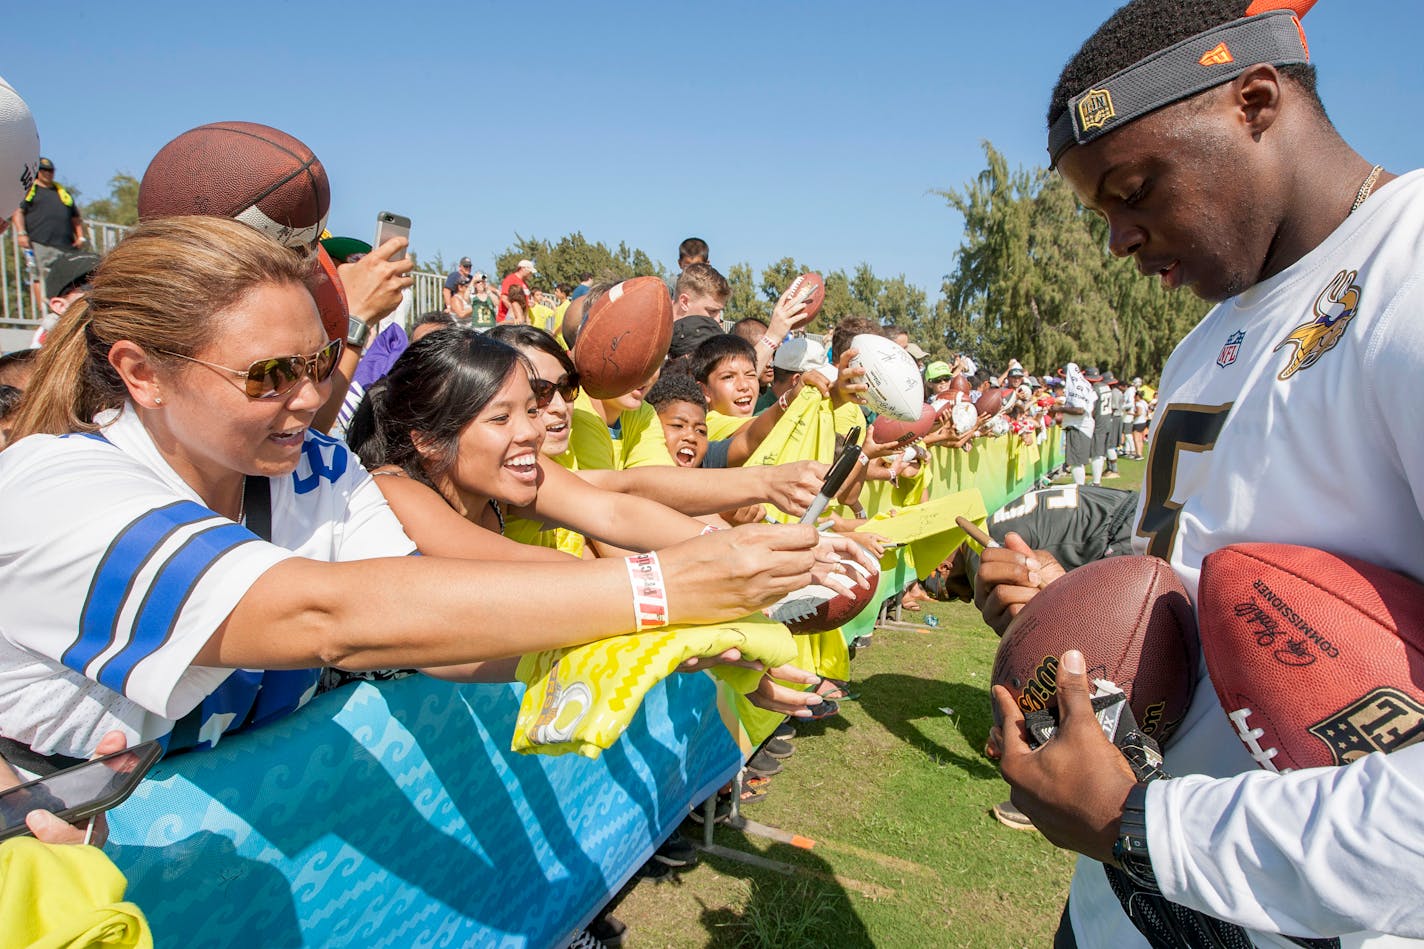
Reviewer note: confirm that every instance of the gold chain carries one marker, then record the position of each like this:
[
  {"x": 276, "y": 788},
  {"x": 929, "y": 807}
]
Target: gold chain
[{"x": 1366, "y": 188}]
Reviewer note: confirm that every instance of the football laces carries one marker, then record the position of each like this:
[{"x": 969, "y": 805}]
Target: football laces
[{"x": 1251, "y": 738}]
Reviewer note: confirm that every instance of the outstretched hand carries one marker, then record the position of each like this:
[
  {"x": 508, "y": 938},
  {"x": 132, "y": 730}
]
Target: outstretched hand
[{"x": 1072, "y": 787}]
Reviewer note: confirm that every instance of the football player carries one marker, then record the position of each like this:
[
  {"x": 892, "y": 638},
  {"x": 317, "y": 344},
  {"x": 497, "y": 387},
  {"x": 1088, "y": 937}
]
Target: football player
[{"x": 1195, "y": 130}]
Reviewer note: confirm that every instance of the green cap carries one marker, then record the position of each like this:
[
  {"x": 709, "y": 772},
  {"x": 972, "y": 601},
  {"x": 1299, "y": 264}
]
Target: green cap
[{"x": 938, "y": 370}]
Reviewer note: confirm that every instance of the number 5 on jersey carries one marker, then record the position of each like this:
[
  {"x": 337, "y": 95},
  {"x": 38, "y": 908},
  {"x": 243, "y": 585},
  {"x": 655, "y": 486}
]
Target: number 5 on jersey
[{"x": 1180, "y": 428}]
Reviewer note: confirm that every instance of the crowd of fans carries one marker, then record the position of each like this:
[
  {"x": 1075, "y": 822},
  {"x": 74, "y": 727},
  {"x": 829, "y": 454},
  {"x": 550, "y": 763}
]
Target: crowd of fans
[{"x": 475, "y": 442}]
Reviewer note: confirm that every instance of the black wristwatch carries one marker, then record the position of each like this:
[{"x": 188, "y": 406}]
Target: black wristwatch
[
  {"x": 357, "y": 332},
  {"x": 1130, "y": 849}
]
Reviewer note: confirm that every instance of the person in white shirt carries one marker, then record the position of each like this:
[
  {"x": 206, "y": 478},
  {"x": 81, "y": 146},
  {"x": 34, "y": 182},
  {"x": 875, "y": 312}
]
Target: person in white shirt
[{"x": 1197, "y": 134}]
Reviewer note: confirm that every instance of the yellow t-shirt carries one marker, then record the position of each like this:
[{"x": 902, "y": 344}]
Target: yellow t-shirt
[
  {"x": 721, "y": 426},
  {"x": 542, "y": 317},
  {"x": 556, "y": 329},
  {"x": 640, "y": 440}
]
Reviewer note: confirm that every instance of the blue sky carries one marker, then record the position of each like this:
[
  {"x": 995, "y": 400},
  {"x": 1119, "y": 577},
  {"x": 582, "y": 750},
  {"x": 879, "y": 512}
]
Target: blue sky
[{"x": 811, "y": 130}]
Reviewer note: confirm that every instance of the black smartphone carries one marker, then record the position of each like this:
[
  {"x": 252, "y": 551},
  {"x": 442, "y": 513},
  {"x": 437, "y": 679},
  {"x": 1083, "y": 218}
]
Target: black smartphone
[{"x": 78, "y": 792}]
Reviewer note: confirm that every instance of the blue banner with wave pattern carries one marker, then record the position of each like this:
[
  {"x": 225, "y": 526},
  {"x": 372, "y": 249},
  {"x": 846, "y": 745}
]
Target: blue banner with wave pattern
[{"x": 394, "y": 814}]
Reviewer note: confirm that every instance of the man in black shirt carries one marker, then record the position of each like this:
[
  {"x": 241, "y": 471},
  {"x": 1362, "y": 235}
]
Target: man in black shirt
[{"x": 47, "y": 221}]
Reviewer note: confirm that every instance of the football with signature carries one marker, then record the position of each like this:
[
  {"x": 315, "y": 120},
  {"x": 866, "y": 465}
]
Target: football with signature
[
  {"x": 624, "y": 338},
  {"x": 1317, "y": 658},
  {"x": 810, "y": 288},
  {"x": 1132, "y": 621},
  {"x": 820, "y": 609}
]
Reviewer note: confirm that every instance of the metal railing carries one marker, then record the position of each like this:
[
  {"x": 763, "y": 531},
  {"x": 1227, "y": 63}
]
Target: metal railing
[{"x": 20, "y": 308}]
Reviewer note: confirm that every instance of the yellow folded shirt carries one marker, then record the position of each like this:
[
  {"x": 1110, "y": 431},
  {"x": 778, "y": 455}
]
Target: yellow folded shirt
[
  {"x": 63, "y": 897},
  {"x": 582, "y": 698}
]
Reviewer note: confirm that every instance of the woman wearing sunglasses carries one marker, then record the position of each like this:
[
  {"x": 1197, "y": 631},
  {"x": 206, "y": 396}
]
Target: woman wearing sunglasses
[{"x": 165, "y": 433}]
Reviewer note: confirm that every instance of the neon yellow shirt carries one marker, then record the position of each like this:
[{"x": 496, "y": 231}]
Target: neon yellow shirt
[
  {"x": 721, "y": 426},
  {"x": 640, "y": 440}
]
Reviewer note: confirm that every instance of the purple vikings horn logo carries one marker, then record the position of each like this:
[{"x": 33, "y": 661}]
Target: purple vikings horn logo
[{"x": 1336, "y": 305}]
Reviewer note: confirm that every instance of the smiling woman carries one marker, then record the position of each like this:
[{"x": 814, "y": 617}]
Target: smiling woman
[{"x": 185, "y": 566}]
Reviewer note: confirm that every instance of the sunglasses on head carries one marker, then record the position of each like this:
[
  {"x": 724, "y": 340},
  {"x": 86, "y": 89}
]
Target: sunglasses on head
[
  {"x": 275, "y": 376},
  {"x": 567, "y": 387}
]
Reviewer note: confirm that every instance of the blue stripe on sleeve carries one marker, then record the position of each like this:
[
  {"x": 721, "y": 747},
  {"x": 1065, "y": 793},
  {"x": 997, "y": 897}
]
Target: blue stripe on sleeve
[
  {"x": 128, "y": 554},
  {"x": 158, "y": 614}
]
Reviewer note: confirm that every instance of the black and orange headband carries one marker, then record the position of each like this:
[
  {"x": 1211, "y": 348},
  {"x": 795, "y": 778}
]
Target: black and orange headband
[{"x": 1197, "y": 63}]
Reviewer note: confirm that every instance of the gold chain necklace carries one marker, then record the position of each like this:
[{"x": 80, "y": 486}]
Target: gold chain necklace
[{"x": 1366, "y": 187}]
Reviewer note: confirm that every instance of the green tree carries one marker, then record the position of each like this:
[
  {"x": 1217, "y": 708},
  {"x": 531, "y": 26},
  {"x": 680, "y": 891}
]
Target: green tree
[
  {"x": 572, "y": 256},
  {"x": 745, "y": 300},
  {"x": 1033, "y": 280},
  {"x": 121, "y": 205}
]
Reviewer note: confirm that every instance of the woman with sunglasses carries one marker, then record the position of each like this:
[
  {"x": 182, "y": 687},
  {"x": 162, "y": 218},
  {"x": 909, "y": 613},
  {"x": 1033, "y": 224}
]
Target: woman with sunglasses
[
  {"x": 160, "y": 441},
  {"x": 458, "y": 416}
]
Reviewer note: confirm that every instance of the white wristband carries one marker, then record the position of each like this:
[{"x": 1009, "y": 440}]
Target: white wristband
[{"x": 650, "y": 602}]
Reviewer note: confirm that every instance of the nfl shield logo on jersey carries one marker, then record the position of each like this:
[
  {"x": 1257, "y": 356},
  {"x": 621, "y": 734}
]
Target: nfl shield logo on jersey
[{"x": 1232, "y": 347}]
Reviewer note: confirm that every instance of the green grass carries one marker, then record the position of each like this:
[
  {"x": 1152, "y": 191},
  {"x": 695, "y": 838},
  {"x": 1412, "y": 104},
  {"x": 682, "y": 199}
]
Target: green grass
[{"x": 896, "y": 794}]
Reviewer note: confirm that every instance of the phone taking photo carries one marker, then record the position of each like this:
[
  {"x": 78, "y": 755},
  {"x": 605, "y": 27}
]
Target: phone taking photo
[
  {"x": 389, "y": 225},
  {"x": 78, "y": 792}
]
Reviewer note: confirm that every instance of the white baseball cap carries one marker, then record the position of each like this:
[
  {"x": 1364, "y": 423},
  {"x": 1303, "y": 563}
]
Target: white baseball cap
[{"x": 799, "y": 354}]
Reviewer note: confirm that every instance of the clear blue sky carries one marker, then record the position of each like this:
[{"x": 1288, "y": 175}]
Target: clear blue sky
[{"x": 770, "y": 129}]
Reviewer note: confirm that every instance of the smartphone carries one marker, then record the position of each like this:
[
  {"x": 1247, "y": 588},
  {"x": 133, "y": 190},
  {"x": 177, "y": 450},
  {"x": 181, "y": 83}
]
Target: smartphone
[
  {"x": 390, "y": 225},
  {"x": 78, "y": 792}
]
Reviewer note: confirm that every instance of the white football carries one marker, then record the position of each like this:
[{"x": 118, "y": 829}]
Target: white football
[
  {"x": 19, "y": 149},
  {"x": 891, "y": 376}
]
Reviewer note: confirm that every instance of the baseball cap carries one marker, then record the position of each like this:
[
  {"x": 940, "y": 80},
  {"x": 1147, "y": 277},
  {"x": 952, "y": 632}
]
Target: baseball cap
[
  {"x": 528, "y": 263},
  {"x": 46, "y": 164},
  {"x": 914, "y": 350},
  {"x": 465, "y": 262},
  {"x": 1109, "y": 378},
  {"x": 689, "y": 331},
  {"x": 479, "y": 275},
  {"x": 799, "y": 355},
  {"x": 341, "y": 249},
  {"x": 1092, "y": 374},
  {"x": 68, "y": 269},
  {"x": 1016, "y": 371},
  {"x": 937, "y": 370}
]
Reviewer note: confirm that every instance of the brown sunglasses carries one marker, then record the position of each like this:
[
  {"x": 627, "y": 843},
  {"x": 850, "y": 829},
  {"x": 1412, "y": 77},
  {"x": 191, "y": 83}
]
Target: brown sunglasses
[{"x": 275, "y": 376}]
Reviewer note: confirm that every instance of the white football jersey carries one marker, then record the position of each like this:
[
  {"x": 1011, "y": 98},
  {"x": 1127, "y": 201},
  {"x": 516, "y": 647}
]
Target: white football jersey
[
  {"x": 113, "y": 575},
  {"x": 1284, "y": 417}
]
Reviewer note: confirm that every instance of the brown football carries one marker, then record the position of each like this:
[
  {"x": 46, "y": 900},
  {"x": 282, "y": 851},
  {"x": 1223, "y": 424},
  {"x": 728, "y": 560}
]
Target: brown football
[
  {"x": 810, "y": 287},
  {"x": 259, "y": 175},
  {"x": 624, "y": 338},
  {"x": 1317, "y": 658},
  {"x": 1132, "y": 621}
]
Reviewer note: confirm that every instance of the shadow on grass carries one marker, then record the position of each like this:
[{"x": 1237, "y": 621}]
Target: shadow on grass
[
  {"x": 899, "y": 702},
  {"x": 807, "y": 911}
]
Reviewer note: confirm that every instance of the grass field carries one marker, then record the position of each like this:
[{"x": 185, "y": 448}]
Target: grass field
[{"x": 896, "y": 793}]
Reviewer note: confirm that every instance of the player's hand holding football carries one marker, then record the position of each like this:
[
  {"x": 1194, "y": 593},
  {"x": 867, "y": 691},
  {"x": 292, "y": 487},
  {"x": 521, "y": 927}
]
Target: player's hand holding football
[
  {"x": 1010, "y": 576},
  {"x": 1072, "y": 787},
  {"x": 374, "y": 283},
  {"x": 728, "y": 574}
]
